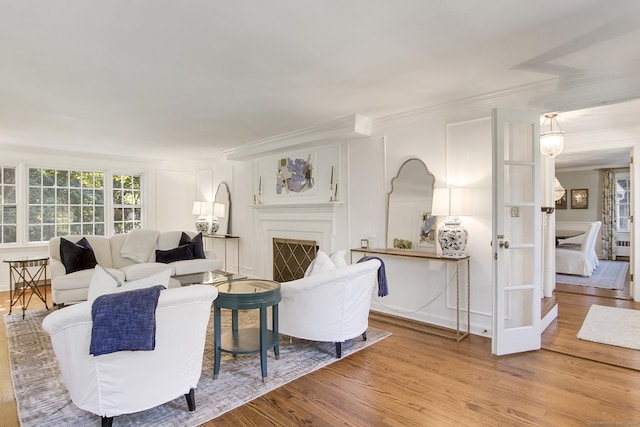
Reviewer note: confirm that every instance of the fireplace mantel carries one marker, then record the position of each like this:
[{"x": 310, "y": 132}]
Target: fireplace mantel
[{"x": 317, "y": 207}]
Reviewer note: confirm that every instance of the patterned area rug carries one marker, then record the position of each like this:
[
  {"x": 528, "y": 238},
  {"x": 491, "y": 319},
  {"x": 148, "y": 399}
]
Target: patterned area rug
[
  {"x": 44, "y": 401},
  {"x": 608, "y": 275},
  {"x": 612, "y": 325}
]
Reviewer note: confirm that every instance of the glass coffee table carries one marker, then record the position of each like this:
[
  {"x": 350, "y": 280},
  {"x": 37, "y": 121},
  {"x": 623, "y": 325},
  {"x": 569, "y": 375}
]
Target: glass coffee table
[{"x": 246, "y": 294}]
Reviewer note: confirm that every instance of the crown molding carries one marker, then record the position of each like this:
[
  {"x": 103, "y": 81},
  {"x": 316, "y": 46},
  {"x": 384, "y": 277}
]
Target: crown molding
[
  {"x": 557, "y": 95},
  {"x": 340, "y": 130}
]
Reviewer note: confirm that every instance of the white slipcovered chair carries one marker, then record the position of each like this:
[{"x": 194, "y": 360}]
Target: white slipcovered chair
[
  {"x": 130, "y": 381},
  {"x": 580, "y": 260},
  {"x": 331, "y": 306}
]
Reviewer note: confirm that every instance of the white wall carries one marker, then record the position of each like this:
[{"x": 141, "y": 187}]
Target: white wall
[
  {"x": 458, "y": 155},
  {"x": 588, "y": 179}
]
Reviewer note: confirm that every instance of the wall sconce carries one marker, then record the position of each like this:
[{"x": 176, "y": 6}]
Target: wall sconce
[
  {"x": 452, "y": 236},
  {"x": 552, "y": 140}
]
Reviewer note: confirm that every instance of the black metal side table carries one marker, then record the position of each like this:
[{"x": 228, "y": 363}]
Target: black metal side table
[
  {"x": 22, "y": 279},
  {"x": 246, "y": 294}
]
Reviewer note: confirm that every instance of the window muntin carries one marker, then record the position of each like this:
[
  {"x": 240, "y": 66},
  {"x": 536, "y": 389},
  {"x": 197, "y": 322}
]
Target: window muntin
[
  {"x": 63, "y": 202},
  {"x": 127, "y": 203},
  {"x": 8, "y": 205}
]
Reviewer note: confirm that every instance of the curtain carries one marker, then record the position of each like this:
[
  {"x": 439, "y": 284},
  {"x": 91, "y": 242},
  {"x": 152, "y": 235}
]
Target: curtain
[{"x": 609, "y": 241}]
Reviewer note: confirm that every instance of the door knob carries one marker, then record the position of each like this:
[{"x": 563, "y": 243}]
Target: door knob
[{"x": 504, "y": 244}]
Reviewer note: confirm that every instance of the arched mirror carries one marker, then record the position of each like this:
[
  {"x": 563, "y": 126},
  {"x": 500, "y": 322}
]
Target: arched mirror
[
  {"x": 222, "y": 209},
  {"x": 410, "y": 224}
]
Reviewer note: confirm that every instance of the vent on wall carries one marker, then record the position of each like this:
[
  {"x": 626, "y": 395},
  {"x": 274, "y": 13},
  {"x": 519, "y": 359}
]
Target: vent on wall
[
  {"x": 623, "y": 243},
  {"x": 291, "y": 257}
]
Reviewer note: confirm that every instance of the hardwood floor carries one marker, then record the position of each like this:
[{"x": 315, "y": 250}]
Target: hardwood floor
[{"x": 415, "y": 379}]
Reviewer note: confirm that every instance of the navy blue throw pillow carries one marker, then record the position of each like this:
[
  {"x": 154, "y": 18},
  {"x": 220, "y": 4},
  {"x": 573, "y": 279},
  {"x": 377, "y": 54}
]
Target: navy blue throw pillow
[
  {"x": 77, "y": 256},
  {"x": 195, "y": 243},
  {"x": 181, "y": 253}
]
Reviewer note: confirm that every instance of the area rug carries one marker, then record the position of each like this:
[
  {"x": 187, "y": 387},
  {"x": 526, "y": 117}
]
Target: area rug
[
  {"x": 44, "y": 401},
  {"x": 612, "y": 325},
  {"x": 608, "y": 275}
]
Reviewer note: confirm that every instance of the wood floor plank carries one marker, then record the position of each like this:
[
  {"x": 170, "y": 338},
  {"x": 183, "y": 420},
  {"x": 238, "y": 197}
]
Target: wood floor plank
[{"x": 416, "y": 379}]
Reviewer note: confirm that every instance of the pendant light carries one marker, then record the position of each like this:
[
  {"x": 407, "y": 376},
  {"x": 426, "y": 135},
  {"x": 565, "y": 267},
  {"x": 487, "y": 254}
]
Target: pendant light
[{"x": 552, "y": 140}]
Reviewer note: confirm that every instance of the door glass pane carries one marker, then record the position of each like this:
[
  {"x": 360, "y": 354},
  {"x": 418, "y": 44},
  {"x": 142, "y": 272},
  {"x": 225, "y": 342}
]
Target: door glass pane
[
  {"x": 518, "y": 224},
  {"x": 518, "y": 142},
  {"x": 518, "y": 186},
  {"x": 518, "y": 309}
]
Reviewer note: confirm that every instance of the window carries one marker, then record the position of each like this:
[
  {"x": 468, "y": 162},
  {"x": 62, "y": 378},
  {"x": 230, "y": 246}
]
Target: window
[
  {"x": 8, "y": 215},
  {"x": 63, "y": 202},
  {"x": 127, "y": 203},
  {"x": 623, "y": 202}
]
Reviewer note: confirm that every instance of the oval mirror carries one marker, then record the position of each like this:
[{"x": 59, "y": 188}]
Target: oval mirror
[
  {"x": 409, "y": 221},
  {"x": 222, "y": 209}
]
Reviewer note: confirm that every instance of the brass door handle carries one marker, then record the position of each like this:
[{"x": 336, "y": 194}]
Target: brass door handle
[{"x": 504, "y": 244}]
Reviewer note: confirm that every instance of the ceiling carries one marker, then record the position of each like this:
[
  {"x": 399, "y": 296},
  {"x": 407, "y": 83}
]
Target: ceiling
[{"x": 165, "y": 78}]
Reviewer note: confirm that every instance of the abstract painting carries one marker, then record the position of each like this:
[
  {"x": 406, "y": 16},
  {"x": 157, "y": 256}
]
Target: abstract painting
[{"x": 294, "y": 175}]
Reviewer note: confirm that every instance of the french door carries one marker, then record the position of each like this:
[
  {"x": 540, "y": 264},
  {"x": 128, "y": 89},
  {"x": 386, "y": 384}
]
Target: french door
[{"x": 516, "y": 242}]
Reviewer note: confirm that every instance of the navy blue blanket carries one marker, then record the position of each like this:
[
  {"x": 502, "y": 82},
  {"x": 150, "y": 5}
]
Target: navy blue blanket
[
  {"x": 383, "y": 289},
  {"x": 124, "y": 321}
]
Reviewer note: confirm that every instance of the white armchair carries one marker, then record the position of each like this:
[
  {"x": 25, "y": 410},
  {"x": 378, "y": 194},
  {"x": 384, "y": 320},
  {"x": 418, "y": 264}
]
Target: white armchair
[
  {"x": 332, "y": 306},
  {"x": 130, "y": 381},
  {"x": 580, "y": 260}
]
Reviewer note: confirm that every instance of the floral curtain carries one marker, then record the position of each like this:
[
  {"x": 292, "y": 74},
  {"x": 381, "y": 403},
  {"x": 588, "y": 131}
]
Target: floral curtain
[{"x": 609, "y": 242}]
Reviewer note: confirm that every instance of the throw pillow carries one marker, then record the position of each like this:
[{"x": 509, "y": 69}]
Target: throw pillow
[
  {"x": 321, "y": 264},
  {"x": 160, "y": 278},
  {"x": 338, "y": 258},
  {"x": 77, "y": 256},
  {"x": 195, "y": 243},
  {"x": 181, "y": 253},
  {"x": 102, "y": 282}
]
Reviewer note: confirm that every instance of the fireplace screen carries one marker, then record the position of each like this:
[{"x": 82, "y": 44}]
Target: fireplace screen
[{"x": 291, "y": 257}]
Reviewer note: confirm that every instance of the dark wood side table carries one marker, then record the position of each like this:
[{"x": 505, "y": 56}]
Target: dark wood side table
[
  {"x": 246, "y": 294},
  {"x": 21, "y": 279}
]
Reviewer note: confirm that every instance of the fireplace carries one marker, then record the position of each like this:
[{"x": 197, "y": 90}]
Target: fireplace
[
  {"x": 312, "y": 222},
  {"x": 291, "y": 257}
]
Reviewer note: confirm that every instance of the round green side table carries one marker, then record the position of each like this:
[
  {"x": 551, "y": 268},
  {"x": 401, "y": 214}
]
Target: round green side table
[{"x": 246, "y": 294}]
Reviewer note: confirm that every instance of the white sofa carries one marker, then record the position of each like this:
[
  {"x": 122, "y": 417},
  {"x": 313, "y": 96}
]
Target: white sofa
[
  {"x": 331, "y": 306},
  {"x": 130, "y": 381},
  {"x": 73, "y": 287}
]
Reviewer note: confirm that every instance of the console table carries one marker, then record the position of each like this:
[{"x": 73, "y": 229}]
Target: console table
[
  {"x": 225, "y": 238},
  {"x": 456, "y": 334}
]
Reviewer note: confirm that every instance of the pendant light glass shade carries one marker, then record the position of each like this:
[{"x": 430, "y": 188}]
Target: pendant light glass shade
[
  {"x": 559, "y": 190},
  {"x": 552, "y": 140}
]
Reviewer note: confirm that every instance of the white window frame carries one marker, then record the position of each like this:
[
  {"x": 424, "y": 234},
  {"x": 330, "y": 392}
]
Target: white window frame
[{"x": 3, "y": 188}]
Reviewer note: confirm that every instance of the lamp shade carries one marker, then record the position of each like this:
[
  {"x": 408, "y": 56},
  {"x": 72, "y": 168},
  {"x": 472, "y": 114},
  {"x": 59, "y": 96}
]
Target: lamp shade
[
  {"x": 440, "y": 205},
  {"x": 202, "y": 208}
]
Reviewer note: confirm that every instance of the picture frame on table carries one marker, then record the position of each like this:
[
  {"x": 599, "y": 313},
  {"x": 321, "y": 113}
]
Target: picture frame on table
[
  {"x": 364, "y": 243},
  {"x": 579, "y": 198}
]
